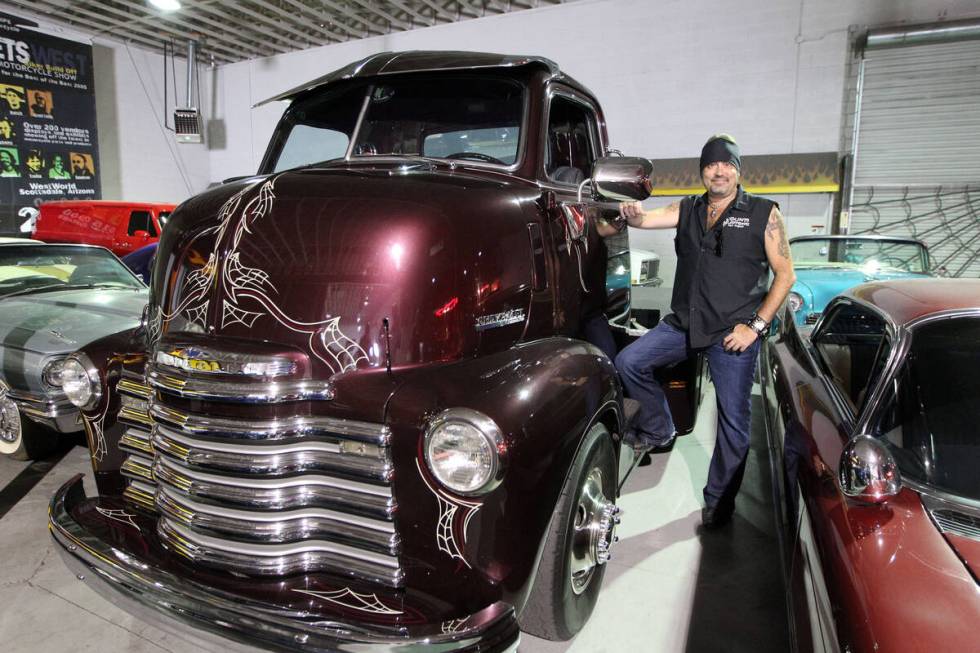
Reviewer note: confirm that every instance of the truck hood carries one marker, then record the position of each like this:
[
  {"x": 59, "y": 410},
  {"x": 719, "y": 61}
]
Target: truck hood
[
  {"x": 349, "y": 268},
  {"x": 63, "y": 321}
]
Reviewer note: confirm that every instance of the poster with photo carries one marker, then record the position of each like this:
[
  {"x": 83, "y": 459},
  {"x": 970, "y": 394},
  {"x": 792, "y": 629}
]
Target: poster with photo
[{"x": 48, "y": 139}]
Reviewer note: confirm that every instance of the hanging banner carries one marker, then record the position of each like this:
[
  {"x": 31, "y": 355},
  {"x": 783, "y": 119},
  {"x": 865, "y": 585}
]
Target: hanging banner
[{"x": 48, "y": 139}]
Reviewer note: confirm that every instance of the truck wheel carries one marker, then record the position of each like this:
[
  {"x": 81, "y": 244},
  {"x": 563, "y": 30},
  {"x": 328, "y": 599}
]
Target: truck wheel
[
  {"x": 577, "y": 547},
  {"x": 22, "y": 439}
]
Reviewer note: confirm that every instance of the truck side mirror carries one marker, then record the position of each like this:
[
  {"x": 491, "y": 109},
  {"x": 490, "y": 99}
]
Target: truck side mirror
[{"x": 622, "y": 178}]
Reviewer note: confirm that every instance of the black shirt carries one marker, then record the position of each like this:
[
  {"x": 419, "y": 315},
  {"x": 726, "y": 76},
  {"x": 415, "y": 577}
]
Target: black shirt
[{"x": 722, "y": 274}]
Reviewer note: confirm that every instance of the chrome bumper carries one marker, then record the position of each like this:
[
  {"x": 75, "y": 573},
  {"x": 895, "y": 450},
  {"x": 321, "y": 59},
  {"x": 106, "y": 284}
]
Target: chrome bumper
[
  {"x": 173, "y": 602},
  {"x": 58, "y": 414}
]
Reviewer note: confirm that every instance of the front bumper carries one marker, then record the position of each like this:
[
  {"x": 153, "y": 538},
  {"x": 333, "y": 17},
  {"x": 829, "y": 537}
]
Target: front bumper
[
  {"x": 174, "y": 602},
  {"x": 56, "y": 413}
]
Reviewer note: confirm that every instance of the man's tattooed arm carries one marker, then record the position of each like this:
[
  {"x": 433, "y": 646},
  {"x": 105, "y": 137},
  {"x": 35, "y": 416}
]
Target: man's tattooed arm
[
  {"x": 778, "y": 255},
  {"x": 776, "y": 230}
]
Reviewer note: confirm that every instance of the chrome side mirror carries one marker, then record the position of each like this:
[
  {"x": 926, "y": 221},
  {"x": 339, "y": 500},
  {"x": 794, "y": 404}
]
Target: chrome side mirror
[
  {"x": 868, "y": 472},
  {"x": 622, "y": 178}
]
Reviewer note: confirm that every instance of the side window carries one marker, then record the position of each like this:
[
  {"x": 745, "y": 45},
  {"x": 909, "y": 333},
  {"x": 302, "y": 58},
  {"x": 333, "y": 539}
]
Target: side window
[
  {"x": 141, "y": 221},
  {"x": 569, "y": 151},
  {"x": 853, "y": 348}
]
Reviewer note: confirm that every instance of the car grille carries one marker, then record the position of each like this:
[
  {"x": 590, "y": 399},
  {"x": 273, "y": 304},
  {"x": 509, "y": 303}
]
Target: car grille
[
  {"x": 812, "y": 318},
  {"x": 951, "y": 521},
  {"x": 289, "y": 494}
]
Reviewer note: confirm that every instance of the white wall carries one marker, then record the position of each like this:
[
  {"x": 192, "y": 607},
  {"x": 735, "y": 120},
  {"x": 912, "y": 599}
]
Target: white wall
[{"x": 668, "y": 73}]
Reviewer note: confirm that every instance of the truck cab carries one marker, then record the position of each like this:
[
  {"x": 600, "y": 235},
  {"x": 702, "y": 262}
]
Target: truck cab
[{"x": 361, "y": 410}]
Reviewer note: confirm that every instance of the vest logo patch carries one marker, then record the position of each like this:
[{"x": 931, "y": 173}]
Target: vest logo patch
[{"x": 736, "y": 222}]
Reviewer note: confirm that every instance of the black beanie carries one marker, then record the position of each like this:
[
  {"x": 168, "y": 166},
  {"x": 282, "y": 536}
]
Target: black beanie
[{"x": 719, "y": 148}]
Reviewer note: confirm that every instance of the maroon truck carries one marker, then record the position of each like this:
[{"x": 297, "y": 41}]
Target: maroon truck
[{"x": 360, "y": 413}]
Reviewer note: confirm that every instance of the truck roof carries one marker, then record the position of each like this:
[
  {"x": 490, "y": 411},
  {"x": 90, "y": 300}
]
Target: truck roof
[{"x": 390, "y": 63}]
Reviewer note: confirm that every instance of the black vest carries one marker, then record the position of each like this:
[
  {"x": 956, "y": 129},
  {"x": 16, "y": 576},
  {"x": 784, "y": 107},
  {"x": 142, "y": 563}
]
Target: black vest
[{"x": 722, "y": 274}]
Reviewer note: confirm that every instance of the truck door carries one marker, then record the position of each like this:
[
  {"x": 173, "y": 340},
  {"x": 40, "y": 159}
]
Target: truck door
[
  {"x": 140, "y": 230},
  {"x": 591, "y": 273}
]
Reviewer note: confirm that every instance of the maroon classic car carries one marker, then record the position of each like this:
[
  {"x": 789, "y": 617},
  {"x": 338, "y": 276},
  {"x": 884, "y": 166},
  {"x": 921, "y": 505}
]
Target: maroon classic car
[
  {"x": 873, "y": 419},
  {"x": 360, "y": 414}
]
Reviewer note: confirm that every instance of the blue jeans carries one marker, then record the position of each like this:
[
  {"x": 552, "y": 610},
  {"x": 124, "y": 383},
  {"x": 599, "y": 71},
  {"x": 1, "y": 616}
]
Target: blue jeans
[{"x": 732, "y": 373}]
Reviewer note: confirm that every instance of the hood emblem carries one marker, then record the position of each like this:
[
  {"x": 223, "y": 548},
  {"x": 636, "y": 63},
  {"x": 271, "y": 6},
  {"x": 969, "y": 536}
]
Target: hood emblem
[{"x": 494, "y": 320}]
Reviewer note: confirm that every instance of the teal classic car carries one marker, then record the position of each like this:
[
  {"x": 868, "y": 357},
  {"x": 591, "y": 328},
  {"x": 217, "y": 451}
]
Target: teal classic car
[{"x": 828, "y": 265}]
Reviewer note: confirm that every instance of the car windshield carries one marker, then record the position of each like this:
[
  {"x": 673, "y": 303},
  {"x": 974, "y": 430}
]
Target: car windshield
[
  {"x": 462, "y": 117},
  {"x": 932, "y": 425},
  {"x": 869, "y": 254},
  {"x": 27, "y": 269}
]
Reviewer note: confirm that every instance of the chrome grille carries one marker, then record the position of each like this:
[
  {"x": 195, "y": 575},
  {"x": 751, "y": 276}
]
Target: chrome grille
[
  {"x": 812, "y": 318},
  {"x": 289, "y": 494}
]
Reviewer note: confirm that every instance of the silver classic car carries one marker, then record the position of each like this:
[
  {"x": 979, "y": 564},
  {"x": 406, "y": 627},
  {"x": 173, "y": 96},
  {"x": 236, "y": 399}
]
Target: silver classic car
[{"x": 54, "y": 299}]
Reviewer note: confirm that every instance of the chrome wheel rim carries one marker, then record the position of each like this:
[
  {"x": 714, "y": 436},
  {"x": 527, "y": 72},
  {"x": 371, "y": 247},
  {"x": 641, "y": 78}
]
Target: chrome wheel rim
[{"x": 595, "y": 520}]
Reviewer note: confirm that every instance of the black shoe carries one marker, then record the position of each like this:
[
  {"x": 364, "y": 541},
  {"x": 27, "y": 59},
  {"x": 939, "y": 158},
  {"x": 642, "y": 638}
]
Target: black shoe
[{"x": 715, "y": 517}]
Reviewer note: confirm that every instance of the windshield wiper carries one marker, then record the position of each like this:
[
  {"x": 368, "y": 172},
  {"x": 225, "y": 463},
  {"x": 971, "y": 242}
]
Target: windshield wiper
[{"x": 66, "y": 286}]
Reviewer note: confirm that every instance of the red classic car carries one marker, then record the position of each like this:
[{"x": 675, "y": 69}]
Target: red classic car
[
  {"x": 872, "y": 421},
  {"x": 360, "y": 413}
]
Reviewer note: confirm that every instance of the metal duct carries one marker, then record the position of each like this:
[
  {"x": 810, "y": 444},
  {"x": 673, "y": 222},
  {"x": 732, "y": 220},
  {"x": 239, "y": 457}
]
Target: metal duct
[{"x": 953, "y": 30}]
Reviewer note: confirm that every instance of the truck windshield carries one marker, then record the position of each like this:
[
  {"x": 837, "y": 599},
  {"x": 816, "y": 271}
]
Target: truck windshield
[
  {"x": 932, "y": 426},
  {"x": 472, "y": 118}
]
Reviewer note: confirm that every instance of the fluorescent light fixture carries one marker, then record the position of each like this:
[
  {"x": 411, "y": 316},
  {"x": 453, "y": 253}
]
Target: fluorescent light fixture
[{"x": 166, "y": 5}]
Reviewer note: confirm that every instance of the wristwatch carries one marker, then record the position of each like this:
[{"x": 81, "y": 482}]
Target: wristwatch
[{"x": 759, "y": 325}]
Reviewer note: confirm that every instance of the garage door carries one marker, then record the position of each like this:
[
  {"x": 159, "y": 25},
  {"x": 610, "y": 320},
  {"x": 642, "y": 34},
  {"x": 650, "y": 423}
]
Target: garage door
[{"x": 917, "y": 149}]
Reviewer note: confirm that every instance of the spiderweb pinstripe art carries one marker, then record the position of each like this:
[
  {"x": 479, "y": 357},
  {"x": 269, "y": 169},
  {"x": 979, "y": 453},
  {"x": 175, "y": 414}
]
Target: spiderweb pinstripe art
[
  {"x": 247, "y": 293},
  {"x": 351, "y": 599},
  {"x": 448, "y": 519},
  {"x": 119, "y": 516}
]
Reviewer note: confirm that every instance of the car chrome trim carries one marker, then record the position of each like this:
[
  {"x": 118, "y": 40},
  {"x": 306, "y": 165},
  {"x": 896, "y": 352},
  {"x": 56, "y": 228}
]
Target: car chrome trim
[
  {"x": 138, "y": 468},
  {"x": 272, "y": 392},
  {"x": 154, "y": 594},
  {"x": 136, "y": 441},
  {"x": 130, "y": 387},
  {"x": 141, "y": 494}
]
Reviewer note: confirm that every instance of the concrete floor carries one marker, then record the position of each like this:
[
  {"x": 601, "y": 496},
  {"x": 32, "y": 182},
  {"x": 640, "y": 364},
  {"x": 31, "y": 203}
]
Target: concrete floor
[{"x": 670, "y": 587}]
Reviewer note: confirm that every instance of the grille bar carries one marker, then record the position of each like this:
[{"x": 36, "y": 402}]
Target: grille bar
[
  {"x": 191, "y": 387},
  {"x": 280, "y": 559},
  {"x": 281, "y": 526},
  {"x": 348, "y": 458}
]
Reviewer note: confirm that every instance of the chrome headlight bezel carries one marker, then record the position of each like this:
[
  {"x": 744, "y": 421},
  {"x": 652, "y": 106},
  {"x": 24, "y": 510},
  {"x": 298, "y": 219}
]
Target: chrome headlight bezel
[
  {"x": 795, "y": 301},
  {"x": 51, "y": 373},
  {"x": 491, "y": 440},
  {"x": 80, "y": 365}
]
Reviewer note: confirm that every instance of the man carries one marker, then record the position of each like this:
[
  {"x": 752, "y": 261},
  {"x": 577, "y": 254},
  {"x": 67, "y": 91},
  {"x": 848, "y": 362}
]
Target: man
[
  {"x": 727, "y": 241},
  {"x": 34, "y": 162},
  {"x": 6, "y": 129},
  {"x": 57, "y": 169},
  {"x": 8, "y": 164},
  {"x": 40, "y": 105},
  {"x": 79, "y": 166},
  {"x": 13, "y": 97}
]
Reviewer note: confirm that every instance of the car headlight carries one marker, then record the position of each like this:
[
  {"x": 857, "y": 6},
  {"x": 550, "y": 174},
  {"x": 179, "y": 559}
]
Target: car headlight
[
  {"x": 51, "y": 374},
  {"x": 463, "y": 451},
  {"x": 80, "y": 381},
  {"x": 795, "y": 301}
]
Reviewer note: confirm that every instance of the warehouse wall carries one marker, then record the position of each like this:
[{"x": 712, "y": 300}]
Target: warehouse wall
[{"x": 669, "y": 74}]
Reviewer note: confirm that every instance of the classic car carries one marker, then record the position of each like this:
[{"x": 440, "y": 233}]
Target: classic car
[
  {"x": 644, "y": 268},
  {"x": 872, "y": 424},
  {"x": 828, "y": 265},
  {"x": 53, "y": 300},
  {"x": 358, "y": 414}
]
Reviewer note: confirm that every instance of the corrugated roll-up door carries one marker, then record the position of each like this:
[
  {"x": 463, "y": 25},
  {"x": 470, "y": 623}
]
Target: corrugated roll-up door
[{"x": 917, "y": 170}]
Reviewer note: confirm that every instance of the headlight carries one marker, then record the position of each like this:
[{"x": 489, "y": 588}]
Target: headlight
[
  {"x": 462, "y": 450},
  {"x": 795, "y": 301},
  {"x": 51, "y": 374},
  {"x": 80, "y": 381}
]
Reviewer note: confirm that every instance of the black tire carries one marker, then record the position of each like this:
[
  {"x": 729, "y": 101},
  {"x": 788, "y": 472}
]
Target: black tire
[
  {"x": 36, "y": 441},
  {"x": 555, "y": 610}
]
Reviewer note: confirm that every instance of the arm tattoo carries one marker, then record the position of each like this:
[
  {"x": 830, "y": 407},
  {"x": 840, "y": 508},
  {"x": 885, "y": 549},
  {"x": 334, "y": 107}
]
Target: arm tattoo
[{"x": 775, "y": 229}]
